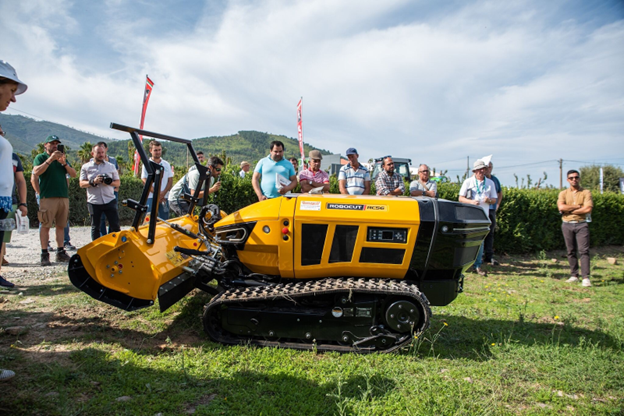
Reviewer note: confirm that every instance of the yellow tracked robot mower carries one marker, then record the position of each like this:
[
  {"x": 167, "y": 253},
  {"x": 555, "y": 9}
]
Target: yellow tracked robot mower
[{"x": 331, "y": 272}]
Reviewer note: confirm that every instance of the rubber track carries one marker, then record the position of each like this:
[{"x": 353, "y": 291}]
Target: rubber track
[{"x": 310, "y": 288}]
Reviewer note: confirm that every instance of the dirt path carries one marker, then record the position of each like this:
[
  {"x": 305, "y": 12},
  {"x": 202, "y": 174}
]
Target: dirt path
[{"x": 24, "y": 255}]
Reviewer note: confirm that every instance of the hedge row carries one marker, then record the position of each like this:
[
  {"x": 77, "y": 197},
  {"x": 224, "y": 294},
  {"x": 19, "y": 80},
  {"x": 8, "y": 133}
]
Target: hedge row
[{"x": 528, "y": 220}]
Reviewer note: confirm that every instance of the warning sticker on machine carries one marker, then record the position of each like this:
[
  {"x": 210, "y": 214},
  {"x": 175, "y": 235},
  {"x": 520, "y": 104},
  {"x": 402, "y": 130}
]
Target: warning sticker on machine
[
  {"x": 310, "y": 206},
  {"x": 175, "y": 258},
  {"x": 358, "y": 207}
]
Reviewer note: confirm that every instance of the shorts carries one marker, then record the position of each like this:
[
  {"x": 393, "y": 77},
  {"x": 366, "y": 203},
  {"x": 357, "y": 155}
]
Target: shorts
[
  {"x": 53, "y": 210},
  {"x": 7, "y": 234}
]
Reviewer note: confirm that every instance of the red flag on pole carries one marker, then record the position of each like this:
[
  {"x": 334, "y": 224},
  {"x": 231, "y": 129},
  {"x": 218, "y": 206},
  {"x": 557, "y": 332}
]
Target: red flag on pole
[
  {"x": 300, "y": 127},
  {"x": 146, "y": 95}
]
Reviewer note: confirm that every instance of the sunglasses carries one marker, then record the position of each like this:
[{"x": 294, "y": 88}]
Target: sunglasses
[
  {"x": 217, "y": 169},
  {"x": 573, "y": 178}
]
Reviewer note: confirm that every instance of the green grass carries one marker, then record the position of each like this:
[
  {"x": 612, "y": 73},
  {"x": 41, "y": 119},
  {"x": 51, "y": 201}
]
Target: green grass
[{"x": 521, "y": 341}]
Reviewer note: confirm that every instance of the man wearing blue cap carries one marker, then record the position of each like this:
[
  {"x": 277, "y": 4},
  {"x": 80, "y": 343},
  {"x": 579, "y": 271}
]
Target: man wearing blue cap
[{"x": 353, "y": 178}]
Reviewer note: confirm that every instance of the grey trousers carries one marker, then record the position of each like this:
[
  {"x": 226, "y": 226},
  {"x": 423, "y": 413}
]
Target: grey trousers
[
  {"x": 179, "y": 207},
  {"x": 576, "y": 238}
]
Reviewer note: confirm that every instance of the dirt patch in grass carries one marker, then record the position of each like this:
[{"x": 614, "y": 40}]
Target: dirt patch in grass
[{"x": 203, "y": 401}]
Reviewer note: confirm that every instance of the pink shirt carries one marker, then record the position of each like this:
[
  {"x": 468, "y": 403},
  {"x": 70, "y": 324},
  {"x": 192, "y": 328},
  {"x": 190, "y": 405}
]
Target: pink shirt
[{"x": 319, "y": 177}]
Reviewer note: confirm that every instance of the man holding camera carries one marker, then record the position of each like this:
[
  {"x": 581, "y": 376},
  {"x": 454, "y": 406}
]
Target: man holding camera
[
  {"x": 100, "y": 178},
  {"x": 51, "y": 167}
]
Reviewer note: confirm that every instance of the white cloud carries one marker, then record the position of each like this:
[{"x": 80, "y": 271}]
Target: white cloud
[{"x": 390, "y": 77}]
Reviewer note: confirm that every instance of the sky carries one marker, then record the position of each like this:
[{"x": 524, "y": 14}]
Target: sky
[{"x": 439, "y": 82}]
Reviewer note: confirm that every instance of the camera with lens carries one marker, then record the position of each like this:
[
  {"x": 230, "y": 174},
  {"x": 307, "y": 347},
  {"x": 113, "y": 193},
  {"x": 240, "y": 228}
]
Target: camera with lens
[{"x": 106, "y": 179}]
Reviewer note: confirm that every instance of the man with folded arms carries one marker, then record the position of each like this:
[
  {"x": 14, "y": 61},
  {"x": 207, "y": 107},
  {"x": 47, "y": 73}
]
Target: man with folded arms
[
  {"x": 575, "y": 205},
  {"x": 314, "y": 177}
]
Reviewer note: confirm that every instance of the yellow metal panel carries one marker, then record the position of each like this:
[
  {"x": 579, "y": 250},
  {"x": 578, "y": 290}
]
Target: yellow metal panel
[
  {"x": 287, "y": 212},
  {"x": 115, "y": 263},
  {"x": 361, "y": 211},
  {"x": 261, "y": 253}
]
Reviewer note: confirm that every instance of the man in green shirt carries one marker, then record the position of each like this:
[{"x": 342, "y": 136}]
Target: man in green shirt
[{"x": 51, "y": 167}]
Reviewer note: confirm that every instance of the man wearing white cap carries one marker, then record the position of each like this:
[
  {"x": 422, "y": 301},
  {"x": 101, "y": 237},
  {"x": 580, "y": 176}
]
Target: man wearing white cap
[
  {"x": 10, "y": 86},
  {"x": 244, "y": 168},
  {"x": 481, "y": 191}
]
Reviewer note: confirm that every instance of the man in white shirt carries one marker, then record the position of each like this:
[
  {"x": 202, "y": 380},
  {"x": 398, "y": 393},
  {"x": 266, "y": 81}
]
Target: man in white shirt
[
  {"x": 155, "y": 149},
  {"x": 244, "y": 168},
  {"x": 100, "y": 178},
  {"x": 481, "y": 191}
]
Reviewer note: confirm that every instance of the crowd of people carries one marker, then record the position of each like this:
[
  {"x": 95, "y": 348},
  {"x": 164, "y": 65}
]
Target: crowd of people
[{"x": 272, "y": 177}]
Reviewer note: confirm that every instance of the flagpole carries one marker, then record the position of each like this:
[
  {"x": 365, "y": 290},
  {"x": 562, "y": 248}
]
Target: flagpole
[
  {"x": 147, "y": 92},
  {"x": 300, "y": 129}
]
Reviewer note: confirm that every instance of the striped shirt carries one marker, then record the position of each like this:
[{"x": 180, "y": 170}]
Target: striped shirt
[{"x": 355, "y": 178}]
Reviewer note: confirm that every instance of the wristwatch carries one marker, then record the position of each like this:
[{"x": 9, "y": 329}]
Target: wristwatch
[
  {"x": 21, "y": 204},
  {"x": 64, "y": 165}
]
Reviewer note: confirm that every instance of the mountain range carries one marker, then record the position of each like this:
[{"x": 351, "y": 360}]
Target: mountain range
[{"x": 25, "y": 134}]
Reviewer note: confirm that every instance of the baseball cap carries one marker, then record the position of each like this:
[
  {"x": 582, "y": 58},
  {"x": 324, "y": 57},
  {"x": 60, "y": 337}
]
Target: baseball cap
[
  {"x": 8, "y": 72},
  {"x": 352, "y": 151},
  {"x": 315, "y": 154},
  {"x": 52, "y": 138},
  {"x": 244, "y": 163},
  {"x": 479, "y": 164}
]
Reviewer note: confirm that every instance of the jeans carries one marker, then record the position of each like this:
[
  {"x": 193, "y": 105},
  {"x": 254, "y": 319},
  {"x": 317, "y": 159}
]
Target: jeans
[
  {"x": 576, "y": 237},
  {"x": 163, "y": 209},
  {"x": 103, "y": 221},
  {"x": 479, "y": 259},
  {"x": 66, "y": 234},
  {"x": 489, "y": 240},
  {"x": 96, "y": 211}
]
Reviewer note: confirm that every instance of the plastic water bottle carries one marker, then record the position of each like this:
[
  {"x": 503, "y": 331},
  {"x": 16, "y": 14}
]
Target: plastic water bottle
[
  {"x": 7, "y": 224},
  {"x": 23, "y": 223},
  {"x": 588, "y": 217}
]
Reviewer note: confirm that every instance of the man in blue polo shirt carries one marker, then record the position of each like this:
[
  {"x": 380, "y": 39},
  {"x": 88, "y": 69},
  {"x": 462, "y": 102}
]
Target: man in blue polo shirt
[{"x": 264, "y": 177}]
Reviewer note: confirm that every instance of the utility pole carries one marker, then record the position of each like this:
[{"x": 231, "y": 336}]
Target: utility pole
[
  {"x": 467, "y": 166},
  {"x": 560, "y": 173}
]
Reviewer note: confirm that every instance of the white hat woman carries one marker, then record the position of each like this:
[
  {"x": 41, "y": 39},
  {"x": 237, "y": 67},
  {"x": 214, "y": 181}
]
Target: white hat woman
[{"x": 10, "y": 86}]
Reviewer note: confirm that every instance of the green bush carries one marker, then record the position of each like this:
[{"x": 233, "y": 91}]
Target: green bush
[{"x": 528, "y": 220}]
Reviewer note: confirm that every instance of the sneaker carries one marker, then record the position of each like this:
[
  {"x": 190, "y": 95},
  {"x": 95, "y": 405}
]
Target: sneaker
[
  {"x": 50, "y": 248},
  {"x": 6, "y": 375},
  {"x": 480, "y": 271},
  {"x": 572, "y": 279},
  {"x": 586, "y": 282},
  {"x": 62, "y": 257},
  {"x": 6, "y": 283},
  {"x": 494, "y": 262},
  {"x": 4, "y": 262},
  {"x": 69, "y": 247},
  {"x": 45, "y": 259}
]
